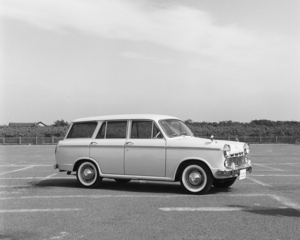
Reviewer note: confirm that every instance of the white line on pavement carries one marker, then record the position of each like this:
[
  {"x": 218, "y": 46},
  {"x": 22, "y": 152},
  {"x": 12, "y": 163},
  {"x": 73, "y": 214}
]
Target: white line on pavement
[
  {"x": 34, "y": 165},
  {"x": 286, "y": 201},
  {"x": 39, "y": 210},
  {"x": 274, "y": 163},
  {"x": 13, "y": 186},
  {"x": 50, "y": 176},
  {"x": 128, "y": 196},
  {"x": 271, "y": 168},
  {"x": 202, "y": 209},
  {"x": 259, "y": 182},
  {"x": 275, "y": 175},
  {"x": 26, "y": 178},
  {"x": 17, "y": 170}
]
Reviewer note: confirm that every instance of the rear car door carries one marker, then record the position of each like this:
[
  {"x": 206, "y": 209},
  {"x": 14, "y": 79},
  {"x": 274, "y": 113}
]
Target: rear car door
[{"x": 108, "y": 146}]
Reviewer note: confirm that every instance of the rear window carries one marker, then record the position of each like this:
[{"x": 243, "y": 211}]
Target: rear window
[{"x": 82, "y": 130}]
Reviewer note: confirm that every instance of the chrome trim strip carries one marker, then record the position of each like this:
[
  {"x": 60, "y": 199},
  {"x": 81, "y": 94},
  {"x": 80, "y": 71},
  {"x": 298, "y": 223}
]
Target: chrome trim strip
[
  {"x": 113, "y": 146},
  {"x": 197, "y": 148},
  {"x": 74, "y": 145},
  {"x": 136, "y": 177},
  {"x": 132, "y": 146}
]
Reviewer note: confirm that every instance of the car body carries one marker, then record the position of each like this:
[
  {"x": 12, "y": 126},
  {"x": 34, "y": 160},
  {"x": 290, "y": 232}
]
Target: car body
[{"x": 149, "y": 147}]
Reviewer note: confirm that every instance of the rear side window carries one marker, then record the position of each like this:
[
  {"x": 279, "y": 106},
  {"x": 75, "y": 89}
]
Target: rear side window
[
  {"x": 113, "y": 129},
  {"x": 82, "y": 130},
  {"x": 116, "y": 129}
]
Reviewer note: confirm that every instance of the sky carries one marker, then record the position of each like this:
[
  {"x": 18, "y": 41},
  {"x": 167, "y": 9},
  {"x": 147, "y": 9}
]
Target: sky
[{"x": 205, "y": 60}]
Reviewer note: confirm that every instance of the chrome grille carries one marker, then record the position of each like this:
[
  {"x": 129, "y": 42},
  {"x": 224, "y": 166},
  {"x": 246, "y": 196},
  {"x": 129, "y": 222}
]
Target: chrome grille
[{"x": 237, "y": 159}]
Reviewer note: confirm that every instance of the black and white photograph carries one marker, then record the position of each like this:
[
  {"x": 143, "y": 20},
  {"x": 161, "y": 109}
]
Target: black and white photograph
[{"x": 149, "y": 119}]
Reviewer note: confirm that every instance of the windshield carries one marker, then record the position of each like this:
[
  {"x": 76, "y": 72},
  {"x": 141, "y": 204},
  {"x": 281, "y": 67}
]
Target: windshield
[{"x": 175, "y": 128}]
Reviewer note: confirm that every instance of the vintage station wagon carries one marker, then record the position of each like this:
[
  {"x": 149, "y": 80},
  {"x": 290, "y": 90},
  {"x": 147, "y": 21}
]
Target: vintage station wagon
[{"x": 149, "y": 147}]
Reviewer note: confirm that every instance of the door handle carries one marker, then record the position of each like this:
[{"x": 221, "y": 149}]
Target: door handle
[
  {"x": 93, "y": 143},
  {"x": 129, "y": 143}
]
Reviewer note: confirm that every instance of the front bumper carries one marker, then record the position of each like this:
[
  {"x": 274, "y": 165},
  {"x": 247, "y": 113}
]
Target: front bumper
[{"x": 228, "y": 172}]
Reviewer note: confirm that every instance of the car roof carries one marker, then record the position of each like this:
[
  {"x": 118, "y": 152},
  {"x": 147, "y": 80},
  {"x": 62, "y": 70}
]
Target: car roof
[{"x": 155, "y": 117}]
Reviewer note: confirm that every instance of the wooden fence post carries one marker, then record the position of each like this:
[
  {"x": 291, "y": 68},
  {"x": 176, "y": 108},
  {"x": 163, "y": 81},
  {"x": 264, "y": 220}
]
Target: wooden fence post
[
  {"x": 35, "y": 140},
  {"x": 20, "y": 140}
]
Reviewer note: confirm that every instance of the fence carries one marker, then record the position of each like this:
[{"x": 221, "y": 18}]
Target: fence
[
  {"x": 30, "y": 140},
  {"x": 54, "y": 140}
]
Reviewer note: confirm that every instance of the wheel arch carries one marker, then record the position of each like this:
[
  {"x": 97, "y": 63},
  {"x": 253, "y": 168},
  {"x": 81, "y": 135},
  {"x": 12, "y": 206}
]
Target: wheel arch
[
  {"x": 81, "y": 160},
  {"x": 186, "y": 162}
]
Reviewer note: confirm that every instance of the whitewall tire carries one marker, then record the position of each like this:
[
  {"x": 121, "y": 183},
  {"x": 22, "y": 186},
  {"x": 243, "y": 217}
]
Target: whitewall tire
[
  {"x": 196, "y": 178},
  {"x": 87, "y": 175}
]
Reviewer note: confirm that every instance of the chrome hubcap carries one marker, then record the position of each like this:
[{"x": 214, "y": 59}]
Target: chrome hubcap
[
  {"x": 88, "y": 174},
  {"x": 195, "y": 178}
]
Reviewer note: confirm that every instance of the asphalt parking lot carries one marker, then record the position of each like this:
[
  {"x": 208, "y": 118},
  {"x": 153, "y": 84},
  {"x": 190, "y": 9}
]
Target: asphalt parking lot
[{"x": 38, "y": 202}]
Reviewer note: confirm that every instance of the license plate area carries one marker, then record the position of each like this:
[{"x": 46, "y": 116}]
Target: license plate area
[{"x": 242, "y": 174}]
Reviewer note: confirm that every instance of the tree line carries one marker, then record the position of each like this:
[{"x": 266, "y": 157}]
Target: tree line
[{"x": 254, "y": 128}]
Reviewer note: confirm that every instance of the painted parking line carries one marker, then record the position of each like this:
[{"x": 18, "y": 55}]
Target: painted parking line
[
  {"x": 275, "y": 175},
  {"x": 270, "y": 168},
  {"x": 283, "y": 200},
  {"x": 202, "y": 209},
  {"x": 259, "y": 182},
  {"x": 50, "y": 176},
  {"x": 34, "y": 165},
  {"x": 126, "y": 196},
  {"x": 39, "y": 210},
  {"x": 29, "y": 178},
  {"x": 297, "y": 163},
  {"x": 14, "y": 186},
  {"x": 17, "y": 170}
]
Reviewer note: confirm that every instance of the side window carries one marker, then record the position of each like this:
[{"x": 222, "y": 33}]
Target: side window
[
  {"x": 156, "y": 132},
  {"x": 82, "y": 130},
  {"x": 116, "y": 129},
  {"x": 101, "y": 133},
  {"x": 141, "y": 129}
]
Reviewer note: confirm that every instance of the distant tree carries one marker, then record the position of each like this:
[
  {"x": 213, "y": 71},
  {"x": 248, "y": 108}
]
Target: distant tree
[
  {"x": 189, "y": 121},
  {"x": 61, "y": 123}
]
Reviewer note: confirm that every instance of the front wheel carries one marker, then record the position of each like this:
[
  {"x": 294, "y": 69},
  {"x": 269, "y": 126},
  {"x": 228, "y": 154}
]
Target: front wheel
[
  {"x": 196, "y": 178},
  {"x": 87, "y": 175}
]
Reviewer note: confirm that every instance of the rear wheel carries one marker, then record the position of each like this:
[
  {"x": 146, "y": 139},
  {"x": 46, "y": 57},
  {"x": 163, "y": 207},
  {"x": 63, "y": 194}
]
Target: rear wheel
[
  {"x": 223, "y": 183},
  {"x": 196, "y": 178},
  {"x": 87, "y": 175},
  {"x": 122, "y": 181}
]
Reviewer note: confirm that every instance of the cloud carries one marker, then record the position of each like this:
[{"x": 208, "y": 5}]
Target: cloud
[
  {"x": 178, "y": 27},
  {"x": 174, "y": 26}
]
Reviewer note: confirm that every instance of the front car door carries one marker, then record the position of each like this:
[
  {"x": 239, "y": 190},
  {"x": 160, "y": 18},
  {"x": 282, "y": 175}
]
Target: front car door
[{"x": 145, "y": 150}]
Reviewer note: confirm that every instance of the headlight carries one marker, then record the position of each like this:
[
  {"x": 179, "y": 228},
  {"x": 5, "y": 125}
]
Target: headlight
[
  {"x": 226, "y": 151},
  {"x": 246, "y": 149}
]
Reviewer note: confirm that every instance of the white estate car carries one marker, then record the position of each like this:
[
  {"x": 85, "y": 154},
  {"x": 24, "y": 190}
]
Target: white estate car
[{"x": 149, "y": 147}]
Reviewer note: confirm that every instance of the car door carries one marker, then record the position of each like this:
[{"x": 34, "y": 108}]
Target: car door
[
  {"x": 145, "y": 152},
  {"x": 108, "y": 146},
  {"x": 77, "y": 143}
]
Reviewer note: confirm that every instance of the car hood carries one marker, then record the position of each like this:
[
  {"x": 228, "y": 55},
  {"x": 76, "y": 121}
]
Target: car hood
[{"x": 195, "y": 142}]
